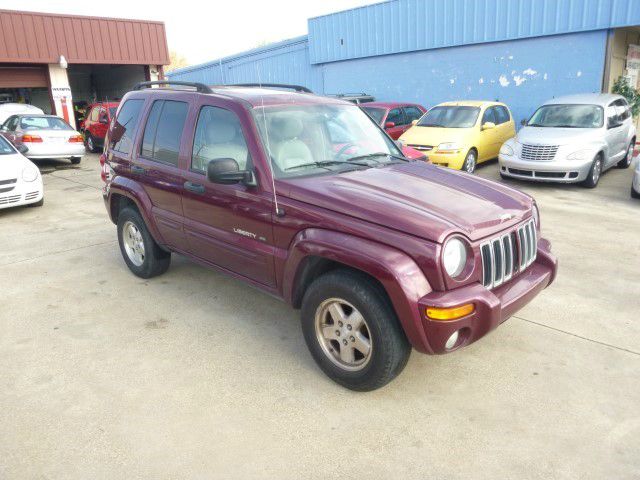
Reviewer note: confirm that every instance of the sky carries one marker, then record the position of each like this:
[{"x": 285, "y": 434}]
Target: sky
[{"x": 203, "y": 31}]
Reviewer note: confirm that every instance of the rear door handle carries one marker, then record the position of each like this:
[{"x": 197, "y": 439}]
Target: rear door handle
[
  {"x": 137, "y": 169},
  {"x": 194, "y": 187}
]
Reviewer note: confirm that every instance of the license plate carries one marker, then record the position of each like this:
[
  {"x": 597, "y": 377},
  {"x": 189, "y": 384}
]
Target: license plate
[{"x": 56, "y": 139}]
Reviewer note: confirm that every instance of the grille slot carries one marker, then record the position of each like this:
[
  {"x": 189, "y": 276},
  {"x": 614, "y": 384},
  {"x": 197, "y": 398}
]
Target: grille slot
[
  {"x": 8, "y": 200},
  {"x": 538, "y": 153},
  {"x": 8, "y": 181},
  {"x": 424, "y": 148},
  {"x": 31, "y": 195},
  {"x": 504, "y": 256}
]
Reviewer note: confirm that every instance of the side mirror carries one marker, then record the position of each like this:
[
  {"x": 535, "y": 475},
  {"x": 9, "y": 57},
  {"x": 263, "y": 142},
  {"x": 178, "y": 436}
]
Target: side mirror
[
  {"x": 613, "y": 123},
  {"x": 226, "y": 171},
  {"x": 414, "y": 122},
  {"x": 22, "y": 148},
  {"x": 389, "y": 125},
  {"x": 488, "y": 126},
  {"x": 523, "y": 122}
]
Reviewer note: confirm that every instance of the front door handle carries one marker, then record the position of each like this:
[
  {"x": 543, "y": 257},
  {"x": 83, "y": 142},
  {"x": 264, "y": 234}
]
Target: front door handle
[
  {"x": 194, "y": 187},
  {"x": 137, "y": 169}
]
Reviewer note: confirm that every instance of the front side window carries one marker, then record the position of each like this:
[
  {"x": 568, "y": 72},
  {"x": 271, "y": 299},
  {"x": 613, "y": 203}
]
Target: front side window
[
  {"x": 124, "y": 128},
  {"x": 396, "y": 116},
  {"x": 568, "y": 116},
  {"x": 376, "y": 113},
  {"x": 450, "y": 117},
  {"x": 218, "y": 135},
  {"x": 311, "y": 140},
  {"x": 43, "y": 123},
  {"x": 412, "y": 113},
  {"x": 163, "y": 131}
]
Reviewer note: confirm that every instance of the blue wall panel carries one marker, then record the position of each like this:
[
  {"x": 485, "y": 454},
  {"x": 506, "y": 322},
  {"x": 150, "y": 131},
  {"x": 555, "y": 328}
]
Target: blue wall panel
[
  {"x": 398, "y": 26},
  {"x": 522, "y": 73}
]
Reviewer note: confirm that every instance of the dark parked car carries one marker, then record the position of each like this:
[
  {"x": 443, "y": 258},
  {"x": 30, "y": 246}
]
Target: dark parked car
[
  {"x": 394, "y": 117},
  {"x": 96, "y": 124},
  {"x": 356, "y": 98},
  {"x": 309, "y": 200}
]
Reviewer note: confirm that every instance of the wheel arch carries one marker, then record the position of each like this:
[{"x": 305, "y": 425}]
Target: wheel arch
[{"x": 315, "y": 252}]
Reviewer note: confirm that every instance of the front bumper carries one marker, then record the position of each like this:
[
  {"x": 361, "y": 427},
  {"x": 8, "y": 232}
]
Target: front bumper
[
  {"x": 492, "y": 307},
  {"x": 635, "y": 184},
  {"x": 24, "y": 193},
  {"x": 559, "y": 171},
  {"x": 451, "y": 160}
]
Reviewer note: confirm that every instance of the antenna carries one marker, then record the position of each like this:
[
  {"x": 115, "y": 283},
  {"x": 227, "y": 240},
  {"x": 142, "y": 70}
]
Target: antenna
[{"x": 279, "y": 212}]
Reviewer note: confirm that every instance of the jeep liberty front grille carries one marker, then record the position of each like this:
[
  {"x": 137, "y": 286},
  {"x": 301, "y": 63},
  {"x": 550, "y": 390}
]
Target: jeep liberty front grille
[{"x": 508, "y": 254}]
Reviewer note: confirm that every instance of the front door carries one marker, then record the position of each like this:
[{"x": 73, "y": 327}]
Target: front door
[
  {"x": 489, "y": 138},
  {"x": 397, "y": 117},
  {"x": 227, "y": 225}
]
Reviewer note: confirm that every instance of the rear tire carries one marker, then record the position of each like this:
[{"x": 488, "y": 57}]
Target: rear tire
[
  {"x": 628, "y": 158},
  {"x": 89, "y": 143},
  {"x": 594, "y": 173},
  {"x": 141, "y": 253},
  {"x": 75, "y": 160},
  {"x": 368, "y": 319}
]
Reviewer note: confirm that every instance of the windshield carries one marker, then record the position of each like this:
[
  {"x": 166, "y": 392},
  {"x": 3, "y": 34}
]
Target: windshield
[
  {"x": 5, "y": 147},
  {"x": 376, "y": 113},
  {"x": 314, "y": 139},
  {"x": 43, "y": 123},
  {"x": 568, "y": 116},
  {"x": 450, "y": 117}
]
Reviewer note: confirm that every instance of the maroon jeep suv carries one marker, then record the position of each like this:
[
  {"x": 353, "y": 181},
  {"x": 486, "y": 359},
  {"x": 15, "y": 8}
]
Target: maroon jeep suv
[{"x": 308, "y": 199}]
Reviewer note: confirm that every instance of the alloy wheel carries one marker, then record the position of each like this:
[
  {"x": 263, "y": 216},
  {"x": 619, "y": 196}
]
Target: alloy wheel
[
  {"x": 343, "y": 334},
  {"x": 470, "y": 163},
  {"x": 597, "y": 169},
  {"x": 133, "y": 243}
]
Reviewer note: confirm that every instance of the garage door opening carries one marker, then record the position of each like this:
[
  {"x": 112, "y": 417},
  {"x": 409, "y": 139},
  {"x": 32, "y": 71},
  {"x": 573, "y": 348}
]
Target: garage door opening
[
  {"x": 103, "y": 83},
  {"x": 25, "y": 84}
]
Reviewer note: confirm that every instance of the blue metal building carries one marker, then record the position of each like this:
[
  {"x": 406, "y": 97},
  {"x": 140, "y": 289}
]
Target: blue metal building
[{"x": 521, "y": 52}]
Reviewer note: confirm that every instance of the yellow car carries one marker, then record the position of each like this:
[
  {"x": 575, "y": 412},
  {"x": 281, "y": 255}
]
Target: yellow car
[{"x": 461, "y": 134}]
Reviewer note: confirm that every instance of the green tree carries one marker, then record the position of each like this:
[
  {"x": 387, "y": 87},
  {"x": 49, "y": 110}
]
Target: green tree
[{"x": 622, "y": 87}]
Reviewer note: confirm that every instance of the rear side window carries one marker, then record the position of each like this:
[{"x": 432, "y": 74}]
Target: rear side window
[
  {"x": 502, "y": 115},
  {"x": 124, "y": 128},
  {"x": 163, "y": 132}
]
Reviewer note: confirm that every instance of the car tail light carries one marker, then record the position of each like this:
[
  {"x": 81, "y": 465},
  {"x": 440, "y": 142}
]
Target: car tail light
[
  {"x": 105, "y": 170},
  {"x": 76, "y": 139},
  {"x": 31, "y": 139}
]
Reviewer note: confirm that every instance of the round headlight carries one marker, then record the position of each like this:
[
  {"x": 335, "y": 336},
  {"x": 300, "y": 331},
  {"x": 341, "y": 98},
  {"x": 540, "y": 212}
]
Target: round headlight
[
  {"x": 536, "y": 215},
  {"x": 506, "y": 150},
  {"x": 30, "y": 173},
  {"x": 454, "y": 257}
]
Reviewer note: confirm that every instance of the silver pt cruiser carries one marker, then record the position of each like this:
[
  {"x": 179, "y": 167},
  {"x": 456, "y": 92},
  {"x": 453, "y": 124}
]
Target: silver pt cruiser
[{"x": 571, "y": 139}]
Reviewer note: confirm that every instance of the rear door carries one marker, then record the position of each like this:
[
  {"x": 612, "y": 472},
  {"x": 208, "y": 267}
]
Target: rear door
[
  {"x": 227, "y": 225},
  {"x": 156, "y": 164},
  {"x": 397, "y": 117},
  {"x": 615, "y": 136},
  {"x": 101, "y": 125}
]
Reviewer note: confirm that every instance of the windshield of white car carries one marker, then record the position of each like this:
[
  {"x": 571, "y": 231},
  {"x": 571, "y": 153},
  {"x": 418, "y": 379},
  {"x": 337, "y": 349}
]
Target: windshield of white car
[
  {"x": 5, "y": 147},
  {"x": 450, "y": 117},
  {"x": 568, "y": 116},
  {"x": 44, "y": 123},
  {"x": 376, "y": 113},
  {"x": 313, "y": 139}
]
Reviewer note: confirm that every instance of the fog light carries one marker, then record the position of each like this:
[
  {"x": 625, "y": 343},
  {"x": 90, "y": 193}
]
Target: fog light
[
  {"x": 453, "y": 339},
  {"x": 448, "y": 314}
]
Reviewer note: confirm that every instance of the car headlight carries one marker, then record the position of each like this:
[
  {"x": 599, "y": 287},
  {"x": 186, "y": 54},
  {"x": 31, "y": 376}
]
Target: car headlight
[
  {"x": 448, "y": 147},
  {"x": 579, "y": 155},
  {"x": 454, "y": 257},
  {"x": 506, "y": 150},
  {"x": 29, "y": 173},
  {"x": 536, "y": 215}
]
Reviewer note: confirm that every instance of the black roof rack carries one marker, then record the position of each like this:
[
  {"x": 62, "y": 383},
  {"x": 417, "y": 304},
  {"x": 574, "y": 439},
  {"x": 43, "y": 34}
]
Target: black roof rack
[
  {"x": 297, "y": 88},
  {"x": 200, "y": 87}
]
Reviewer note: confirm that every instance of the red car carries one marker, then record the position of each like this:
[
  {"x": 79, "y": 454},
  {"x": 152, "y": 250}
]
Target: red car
[
  {"x": 96, "y": 124},
  {"x": 394, "y": 117},
  {"x": 305, "y": 198}
]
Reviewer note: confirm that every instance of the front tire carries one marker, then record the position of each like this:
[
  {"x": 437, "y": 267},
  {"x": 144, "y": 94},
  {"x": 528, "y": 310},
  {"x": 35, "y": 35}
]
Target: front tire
[
  {"x": 90, "y": 143},
  {"x": 141, "y": 253},
  {"x": 470, "y": 161},
  {"x": 594, "y": 173},
  {"x": 628, "y": 158},
  {"x": 352, "y": 331},
  {"x": 634, "y": 194}
]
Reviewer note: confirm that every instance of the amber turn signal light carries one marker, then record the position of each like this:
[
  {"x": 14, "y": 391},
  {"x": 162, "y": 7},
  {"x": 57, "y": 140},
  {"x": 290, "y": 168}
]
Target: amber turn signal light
[
  {"x": 452, "y": 313},
  {"x": 76, "y": 139}
]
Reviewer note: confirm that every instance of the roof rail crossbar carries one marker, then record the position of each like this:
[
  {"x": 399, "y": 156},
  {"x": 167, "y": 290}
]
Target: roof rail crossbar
[
  {"x": 200, "y": 87},
  {"x": 297, "y": 88}
]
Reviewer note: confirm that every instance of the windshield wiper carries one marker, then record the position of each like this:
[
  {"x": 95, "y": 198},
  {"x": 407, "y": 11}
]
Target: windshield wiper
[
  {"x": 371, "y": 156},
  {"x": 325, "y": 163},
  {"x": 429, "y": 125},
  {"x": 535, "y": 125}
]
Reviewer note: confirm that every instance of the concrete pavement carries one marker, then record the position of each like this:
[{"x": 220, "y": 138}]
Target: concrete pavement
[{"x": 196, "y": 375}]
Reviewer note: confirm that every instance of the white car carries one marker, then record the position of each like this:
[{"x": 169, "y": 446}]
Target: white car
[
  {"x": 45, "y": 136},
  {"x": 8, "y": 109},
  {"x": 20, "y": 179}
]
